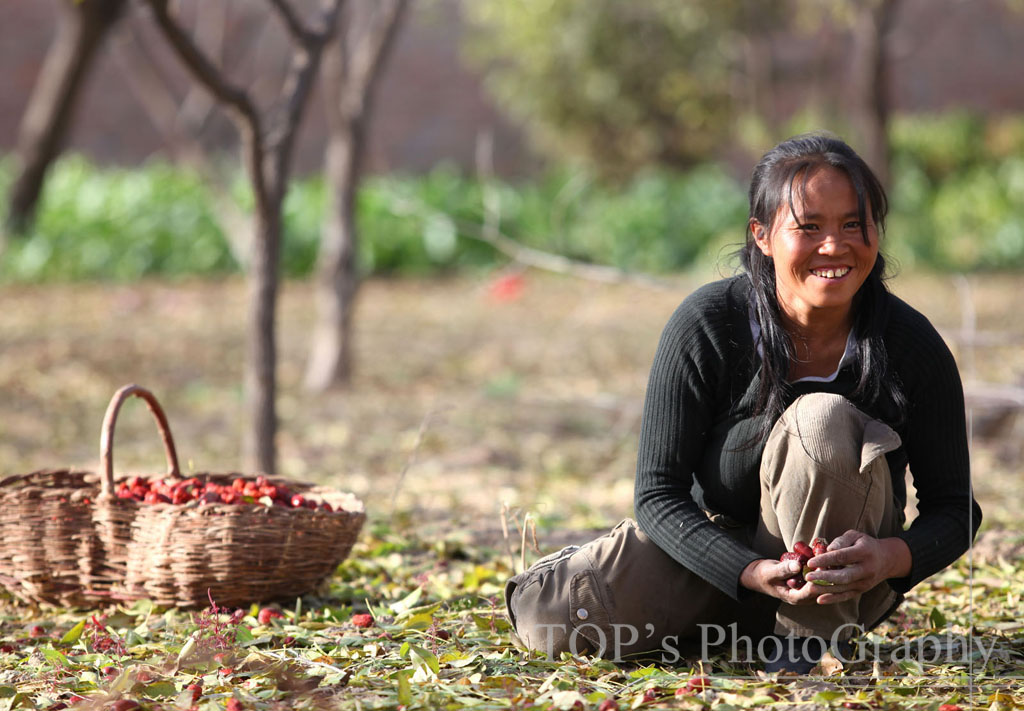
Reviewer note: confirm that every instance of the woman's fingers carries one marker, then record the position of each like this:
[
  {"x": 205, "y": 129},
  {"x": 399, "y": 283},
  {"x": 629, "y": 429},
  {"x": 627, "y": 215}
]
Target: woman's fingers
[
  {"x": 832, "y": 598},
  {"x": 802, "y": 594},
  {"x": 845, "y": 540},
  {"x": 846, "y": 575},
  {"x": 843, "y": 552},
  {"x": 794, "y": 591},
  {"x": 840, "y": 557},
  {"x": 781, "y": 571},
  {"x": 854, "y": 579}
]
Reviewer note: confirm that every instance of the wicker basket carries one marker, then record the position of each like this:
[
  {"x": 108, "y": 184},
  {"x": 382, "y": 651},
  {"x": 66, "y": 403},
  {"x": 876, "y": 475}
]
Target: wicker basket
[
  {"x": 98, "y": 547},
  {"x": 49, "y": 550}
]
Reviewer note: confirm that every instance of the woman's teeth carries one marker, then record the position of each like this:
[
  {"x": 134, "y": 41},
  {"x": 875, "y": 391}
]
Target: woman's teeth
[{"x": 831, "y": 273}]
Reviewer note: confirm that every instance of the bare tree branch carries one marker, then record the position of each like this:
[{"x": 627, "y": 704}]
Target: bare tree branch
[
  {"x": 47, "y": 118},
  {"x": 237, "y": 100},
  {"x": 373, "y": 45},
  {"x": 150, "y": 88},
  {"x": 556, "y": 262},
  {"x": 181, "y": 136},
  {"x": 211, "y": 25},
  {"x": 201, "y": 66},
  {"x": 211, "y": 29},
  {"x": 304, "y": 65},
  {"x": 537, "y": 258},
  {"x": 299, "y": 33}
]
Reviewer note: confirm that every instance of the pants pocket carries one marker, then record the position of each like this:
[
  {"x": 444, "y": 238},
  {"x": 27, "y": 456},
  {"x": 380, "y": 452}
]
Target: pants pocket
[
  {"x": 591, "y": 612},
  {"x": 558, "y": 605},
  {"x": 532, "y": 576}
]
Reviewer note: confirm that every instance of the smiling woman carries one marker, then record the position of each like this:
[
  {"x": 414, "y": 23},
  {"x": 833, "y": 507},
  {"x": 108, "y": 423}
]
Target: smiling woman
[
  {"x": 823, "y": 244},
  {"x": 784, "y": 404}
]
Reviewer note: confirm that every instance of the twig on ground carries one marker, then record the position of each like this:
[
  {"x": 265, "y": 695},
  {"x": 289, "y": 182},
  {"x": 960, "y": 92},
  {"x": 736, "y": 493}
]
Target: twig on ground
[
  {"x": 527, "y": 523},
  {"x": 529, "y": 526},
  {"x": 505, "y": 513},
  {"x": 424, "y": 423}
]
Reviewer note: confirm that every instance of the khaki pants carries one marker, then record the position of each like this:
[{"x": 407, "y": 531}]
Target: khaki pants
[{"x": 823, "y": 472}]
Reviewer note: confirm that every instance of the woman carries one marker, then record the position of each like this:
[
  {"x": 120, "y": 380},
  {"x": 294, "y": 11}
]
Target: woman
[{"x": 784, "y": 404}]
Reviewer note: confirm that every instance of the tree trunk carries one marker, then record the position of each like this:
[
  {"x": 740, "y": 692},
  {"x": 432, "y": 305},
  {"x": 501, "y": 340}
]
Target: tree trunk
[
  {"x": 259, "y": 448},
  {"x": 82, "y": 27},
  {"x": 871, "y": 82},
  {"x": 337, "y": 277},
  {"x": 349, "y": 82}
]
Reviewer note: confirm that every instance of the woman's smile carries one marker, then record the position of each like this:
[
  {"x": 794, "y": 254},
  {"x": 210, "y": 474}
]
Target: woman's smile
[{"x": 831, "y": 273}]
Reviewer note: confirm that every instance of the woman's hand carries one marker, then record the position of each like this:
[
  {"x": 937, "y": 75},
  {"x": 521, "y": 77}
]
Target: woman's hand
[
  {"x": 862, "y": 562},
  {"x": 865, "y": 562},
  {"x": 777, "y": 579}
]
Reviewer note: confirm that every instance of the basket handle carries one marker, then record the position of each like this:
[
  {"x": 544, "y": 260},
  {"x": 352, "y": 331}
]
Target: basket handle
[{"x": 107, "y": 434}]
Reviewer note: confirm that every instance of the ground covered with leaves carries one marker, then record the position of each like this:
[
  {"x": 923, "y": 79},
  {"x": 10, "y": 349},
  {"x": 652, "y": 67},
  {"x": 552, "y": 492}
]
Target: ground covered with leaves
[{"x": 477, "y": 403}]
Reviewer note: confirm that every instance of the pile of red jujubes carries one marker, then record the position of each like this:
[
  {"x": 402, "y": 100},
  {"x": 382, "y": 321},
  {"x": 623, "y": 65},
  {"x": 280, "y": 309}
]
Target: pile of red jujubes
[
  {"x": 802, "y": 553},
  {"x": 239, "y": 491}
]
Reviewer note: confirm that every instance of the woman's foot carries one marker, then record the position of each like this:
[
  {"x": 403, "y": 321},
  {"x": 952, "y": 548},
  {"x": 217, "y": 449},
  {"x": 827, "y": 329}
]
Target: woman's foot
[
  {"x": 797, "y": 654},
  {"x": 801, "y": 654}
]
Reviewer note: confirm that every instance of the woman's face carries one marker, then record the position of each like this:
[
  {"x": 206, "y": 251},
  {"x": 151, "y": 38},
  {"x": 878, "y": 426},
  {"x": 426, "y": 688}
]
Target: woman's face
[{"x": 820, "y": 255}]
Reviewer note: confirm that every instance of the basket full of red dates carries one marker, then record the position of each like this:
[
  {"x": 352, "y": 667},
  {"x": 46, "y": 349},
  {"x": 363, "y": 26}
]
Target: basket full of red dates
[{"x": 176, "y": 540}]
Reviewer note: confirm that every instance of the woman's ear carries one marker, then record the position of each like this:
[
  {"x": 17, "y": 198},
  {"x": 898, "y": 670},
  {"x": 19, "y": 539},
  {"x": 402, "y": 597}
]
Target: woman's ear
[{"x": 761, "y": 237}]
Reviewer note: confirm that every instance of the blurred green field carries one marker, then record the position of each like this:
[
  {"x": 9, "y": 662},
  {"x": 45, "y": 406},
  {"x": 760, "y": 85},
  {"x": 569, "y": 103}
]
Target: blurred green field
[{"x": 957, "y": 204}]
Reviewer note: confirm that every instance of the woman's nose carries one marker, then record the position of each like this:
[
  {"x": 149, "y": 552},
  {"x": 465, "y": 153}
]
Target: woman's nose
[{"x": 831, "y": 242}]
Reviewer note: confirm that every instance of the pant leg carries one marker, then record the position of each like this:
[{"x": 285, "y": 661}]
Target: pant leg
[
  {"x": 824, "y": 472},
  {"x": 620, "y": 596}
]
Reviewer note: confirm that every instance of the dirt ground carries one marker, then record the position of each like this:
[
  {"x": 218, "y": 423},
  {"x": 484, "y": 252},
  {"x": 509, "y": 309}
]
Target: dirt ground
[{"x": 462, "y": 402}]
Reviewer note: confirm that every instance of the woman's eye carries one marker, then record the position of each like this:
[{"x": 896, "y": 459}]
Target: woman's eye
[
  {"x": 808, "y": 227},
  {"x": 853, "y": 225}
]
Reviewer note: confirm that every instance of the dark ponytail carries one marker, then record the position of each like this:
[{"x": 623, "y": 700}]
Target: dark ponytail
[{"x": 783, "y": 170}]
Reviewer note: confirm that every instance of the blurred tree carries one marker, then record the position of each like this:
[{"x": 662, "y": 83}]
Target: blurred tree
[
  {"x": 183, "y": 115},
  {"x": 871, "y": 28},
  {"x": 351, "y": 68},
  {"x": 620, "y": 84},
  {"x": 868, "y": 25},
  {"x": 82, "y": 26},
  {"x": 267, "y": 138},
  {"x": 625, "y": 85}
]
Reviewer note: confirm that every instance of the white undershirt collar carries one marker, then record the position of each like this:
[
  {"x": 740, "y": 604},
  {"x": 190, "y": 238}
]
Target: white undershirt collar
[{"x": 848, "y": 354}]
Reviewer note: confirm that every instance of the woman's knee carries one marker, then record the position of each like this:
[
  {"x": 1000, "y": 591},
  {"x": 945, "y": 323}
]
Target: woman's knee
[{"x": 833, "y": 433}]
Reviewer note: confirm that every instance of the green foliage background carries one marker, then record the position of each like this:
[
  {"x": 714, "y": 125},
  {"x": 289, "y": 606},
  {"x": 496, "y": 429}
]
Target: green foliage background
[
  {"x": 620, "y": 85},
  {"x": 957, "y": 204}
]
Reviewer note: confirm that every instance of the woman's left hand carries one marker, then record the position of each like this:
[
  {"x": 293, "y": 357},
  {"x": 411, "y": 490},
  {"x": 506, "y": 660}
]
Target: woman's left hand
[{"x": 863, "y": 562}]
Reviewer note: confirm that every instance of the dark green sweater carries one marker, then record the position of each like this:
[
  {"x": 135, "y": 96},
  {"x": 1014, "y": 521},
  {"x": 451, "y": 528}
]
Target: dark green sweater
[{"x": 698, "y": 420}]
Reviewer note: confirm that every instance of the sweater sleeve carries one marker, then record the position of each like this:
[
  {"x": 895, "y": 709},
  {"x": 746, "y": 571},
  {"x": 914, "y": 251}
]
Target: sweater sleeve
[
  {"x": 937, "y": 452},
  {"x": 677, "y": 417}
]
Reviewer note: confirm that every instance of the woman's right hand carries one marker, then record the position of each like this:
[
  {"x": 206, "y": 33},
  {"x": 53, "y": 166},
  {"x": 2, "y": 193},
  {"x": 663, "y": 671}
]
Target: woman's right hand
[{"x": 774, "y": 578}]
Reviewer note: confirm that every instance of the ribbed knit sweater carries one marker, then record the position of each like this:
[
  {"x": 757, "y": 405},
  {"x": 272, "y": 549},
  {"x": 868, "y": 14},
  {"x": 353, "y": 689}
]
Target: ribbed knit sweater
[{"x": 698, "y": 422}]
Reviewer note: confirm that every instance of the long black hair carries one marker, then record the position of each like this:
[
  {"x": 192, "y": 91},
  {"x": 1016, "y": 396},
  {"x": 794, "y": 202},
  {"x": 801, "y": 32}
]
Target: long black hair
[{"x": 784, "y": 169}]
